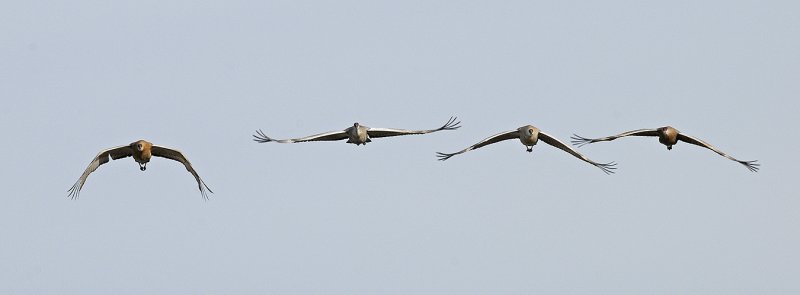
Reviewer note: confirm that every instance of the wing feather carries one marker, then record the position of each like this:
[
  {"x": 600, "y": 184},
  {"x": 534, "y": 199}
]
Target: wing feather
[
  {"x": 176, "y": 155},
  {"x": 260, "y": 137},
  {"x": 451, "y": 124},
  {"x": 751, "y": 165},
  {"x": 101, "y": 158},
  {"x": 608, "y": 168},
  {"x": 580, "y": 141},
  {"x": 490, "y": 140}
]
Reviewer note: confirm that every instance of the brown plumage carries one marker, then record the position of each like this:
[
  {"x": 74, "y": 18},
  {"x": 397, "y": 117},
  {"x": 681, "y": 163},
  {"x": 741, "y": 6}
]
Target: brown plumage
[
  {"x": 141, "y": 151},
  {"x": 667, "y": 136}
]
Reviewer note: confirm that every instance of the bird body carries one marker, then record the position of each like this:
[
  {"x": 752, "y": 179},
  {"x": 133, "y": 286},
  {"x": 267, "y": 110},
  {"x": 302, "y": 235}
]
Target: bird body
[
  {"x": 529, "y": 136},
  {"x": 668, "y": 136},
  {"x": 142, "y": 152},
  {"x": 358, "y": 134}
]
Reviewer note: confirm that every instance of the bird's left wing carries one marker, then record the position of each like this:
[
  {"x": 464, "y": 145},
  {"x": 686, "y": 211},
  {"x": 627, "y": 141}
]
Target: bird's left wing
[
  {"x": 608, "y": 168},
  {"x": 160, "y": 151},
  {"x": 751, "y": 165},
  {"x": 451, "y": 124}
]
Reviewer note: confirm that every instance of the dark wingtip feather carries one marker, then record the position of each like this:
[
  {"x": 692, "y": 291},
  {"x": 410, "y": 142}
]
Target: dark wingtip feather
[
  {"x": 608, "y": 168},
  {"x": 74, "y": 192},
  {"x": 204, "y": 190},
  {"x": 751, "y": 165},
  {"x": 451, "y": 124},
  {"x": 444, "y": 156},
  {"x": 260, "y": 137},
  {"x": 579, "y": 141}
]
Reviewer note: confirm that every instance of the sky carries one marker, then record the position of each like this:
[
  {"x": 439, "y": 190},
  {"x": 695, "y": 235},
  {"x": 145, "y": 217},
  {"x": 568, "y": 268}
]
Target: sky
[{"x": 77, "y": 77}]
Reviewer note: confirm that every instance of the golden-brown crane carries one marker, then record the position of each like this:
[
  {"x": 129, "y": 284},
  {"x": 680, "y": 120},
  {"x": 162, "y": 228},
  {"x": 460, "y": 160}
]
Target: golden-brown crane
[{"x": 141, "y": 151}]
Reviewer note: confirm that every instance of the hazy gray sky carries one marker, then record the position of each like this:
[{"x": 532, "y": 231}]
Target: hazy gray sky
[{"x": 333, "y": 218}]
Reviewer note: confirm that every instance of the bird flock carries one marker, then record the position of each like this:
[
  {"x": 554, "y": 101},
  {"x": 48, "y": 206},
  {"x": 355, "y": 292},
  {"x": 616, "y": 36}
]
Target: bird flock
[{"x": 142, "y": 151}]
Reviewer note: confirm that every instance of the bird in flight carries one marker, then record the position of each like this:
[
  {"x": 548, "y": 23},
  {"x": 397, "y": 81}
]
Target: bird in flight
[
  {"x": 529, "y": 136},
  {"x": 357, "y": 134},
  {"x": 667, "y": 136},
  {"x": 141, "y": 151}
]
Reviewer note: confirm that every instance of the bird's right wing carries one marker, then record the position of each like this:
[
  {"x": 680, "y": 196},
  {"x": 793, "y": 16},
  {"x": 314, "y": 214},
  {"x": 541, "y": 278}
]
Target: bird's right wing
[
  {"x": 260, "y": 137},
  {"x": 492, "y": 139},
  {"x": 101, "y": 158},
  {"x": 385, "y": 132},
  {"x": 580, "y": 141},
  {"x": 751, "y": 165},
  {"x": 173, "y": 154}
]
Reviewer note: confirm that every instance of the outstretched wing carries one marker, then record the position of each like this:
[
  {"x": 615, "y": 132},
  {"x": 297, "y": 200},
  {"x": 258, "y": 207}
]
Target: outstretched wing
[
  {"x": 580, "y": 141},
  {"x": 751, "y": 165},
  {"x": 101, "y": 158},
  {"x": 260, "y": 137},
  {"x": 608, "y": 168},
  {"x": 490, "y": 140},
  {"x": 160, "y": 151},
  {"x": 385, "y": 132}
]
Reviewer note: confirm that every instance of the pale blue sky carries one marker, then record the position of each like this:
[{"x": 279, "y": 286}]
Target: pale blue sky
[{"x": 333, "y": 218}]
